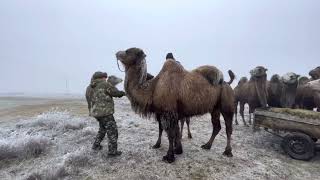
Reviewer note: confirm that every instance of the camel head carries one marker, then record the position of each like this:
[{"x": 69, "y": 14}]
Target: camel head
[
  {"x": 303, "y": 80},
  {"x": 114, "y": 80},
  {"x": 315, "y": 73},
  {"x": 290, "y": 78},
  {"x": 130, "y": 57},
  {"x": 259, "y": 71},
  {"x": 243, "y": 80},
  {"x": 275, "y": 78}
]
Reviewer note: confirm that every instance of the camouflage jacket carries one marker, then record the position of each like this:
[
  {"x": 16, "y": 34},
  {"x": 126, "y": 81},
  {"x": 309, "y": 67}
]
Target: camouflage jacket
[{"x": 99, "y": 97}]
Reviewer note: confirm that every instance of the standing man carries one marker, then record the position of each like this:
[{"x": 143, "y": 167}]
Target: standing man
[{"x": 101, "y": 106}]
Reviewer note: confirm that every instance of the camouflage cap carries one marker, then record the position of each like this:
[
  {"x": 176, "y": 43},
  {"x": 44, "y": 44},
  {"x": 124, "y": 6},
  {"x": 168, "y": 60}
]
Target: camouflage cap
[{"x": 99, "y": 74}]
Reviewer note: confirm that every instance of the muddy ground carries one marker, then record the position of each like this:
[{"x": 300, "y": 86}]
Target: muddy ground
[{"x": 51, "y": 139}]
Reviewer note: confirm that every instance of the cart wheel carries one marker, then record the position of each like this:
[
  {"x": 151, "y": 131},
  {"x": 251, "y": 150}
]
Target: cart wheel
[{"x": 299, "y": 146}]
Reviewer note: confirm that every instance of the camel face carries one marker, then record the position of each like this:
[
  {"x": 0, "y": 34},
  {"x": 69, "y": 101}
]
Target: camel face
[
  {"x": 259, "y": 71},
  {"x": 275, "y": 78},
  {"x": 315, "y": 73},
  {"x": 290, "y": 78},
  {"x": 114, "y": 80},
  {"x": 302, "y": 80},
  {"x": 130, "y": 56}
]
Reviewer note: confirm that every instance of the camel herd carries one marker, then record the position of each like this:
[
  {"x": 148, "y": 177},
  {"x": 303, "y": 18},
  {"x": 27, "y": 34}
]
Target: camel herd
[
  {"x": 176, "y": 94},
  {"x": 288, "y": 91}
]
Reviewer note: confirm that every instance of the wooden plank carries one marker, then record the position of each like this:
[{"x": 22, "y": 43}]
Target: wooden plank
[
  {"x": 287, "y": 117},
  {"x": 286, "y": 125}
]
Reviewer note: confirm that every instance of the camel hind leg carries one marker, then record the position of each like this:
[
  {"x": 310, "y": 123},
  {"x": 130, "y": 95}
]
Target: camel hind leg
[
  {"x": 158, "y": 143},
  {"x": 242, "y": 113},
  {"x": 236, "y": 113},
  {"x": 228, "y": 122},
  {"x": 215, "y": 120}
]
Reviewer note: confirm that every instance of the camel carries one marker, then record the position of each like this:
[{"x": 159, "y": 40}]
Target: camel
[
  {"x": 236, "y": 90},
  {"x": 176, "y": 93},
  {"x": 253, "y": 92},
  {"x": 315, "y": 73},
  {"x": 289, "y": 89},
  {"x": 114, "y": 80},
  {"x": 274, "y": 88},
  {"x": 308, "y": 95}
]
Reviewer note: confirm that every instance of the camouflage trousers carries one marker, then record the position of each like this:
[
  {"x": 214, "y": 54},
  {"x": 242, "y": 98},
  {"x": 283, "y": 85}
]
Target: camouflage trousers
[{"x": 107, "y": 125}]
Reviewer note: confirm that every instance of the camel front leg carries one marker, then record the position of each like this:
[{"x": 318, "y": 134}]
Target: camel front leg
[
  {"x": 188, "y": 125},
  {"x": 182, "y": 124},
  {"x": 171, "y": 136},
  {"x": 178, "y": 145},
  {"x": 158, "y": 144}
]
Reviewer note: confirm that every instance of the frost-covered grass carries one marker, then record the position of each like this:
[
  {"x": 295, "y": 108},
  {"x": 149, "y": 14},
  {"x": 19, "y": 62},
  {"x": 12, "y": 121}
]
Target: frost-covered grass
[
  {"x": 23, "y": 147},
  {"x": 57, "y": 145}
]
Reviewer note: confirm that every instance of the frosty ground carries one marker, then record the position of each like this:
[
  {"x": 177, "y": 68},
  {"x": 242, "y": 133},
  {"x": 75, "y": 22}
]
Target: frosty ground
[{"x": 52, "y": 140}]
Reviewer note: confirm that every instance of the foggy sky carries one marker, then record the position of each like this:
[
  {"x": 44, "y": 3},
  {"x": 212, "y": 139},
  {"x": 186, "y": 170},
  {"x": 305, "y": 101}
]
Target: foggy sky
[{"x": 44, "y": 43}]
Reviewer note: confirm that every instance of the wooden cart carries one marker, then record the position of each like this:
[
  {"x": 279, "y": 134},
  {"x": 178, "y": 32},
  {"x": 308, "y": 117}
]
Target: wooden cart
[{"x": 299, "y": 129}]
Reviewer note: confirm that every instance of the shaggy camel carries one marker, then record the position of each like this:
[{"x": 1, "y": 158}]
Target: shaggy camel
[
  {"x": 236, "y": 90},
  {"x": 175, "y": 94},
  {"x": 308, "y": 95},
  {"x": 187, "y": 120},
  {"x": 315, "y": 73},
  {"x": 289, "y": 89},
  {"x": 274, "y": 88},
  {"x": 253, "y": 92}
]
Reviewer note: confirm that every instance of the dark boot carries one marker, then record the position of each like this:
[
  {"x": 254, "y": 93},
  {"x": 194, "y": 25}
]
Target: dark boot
[
  {"x": 114, "y": 154},
  {"x": 97, "y": 147}
]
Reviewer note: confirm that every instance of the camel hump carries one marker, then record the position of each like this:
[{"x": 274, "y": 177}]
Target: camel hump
[
  {"x": 211, "y": 73},
  {"x": 172, "y": 65}
]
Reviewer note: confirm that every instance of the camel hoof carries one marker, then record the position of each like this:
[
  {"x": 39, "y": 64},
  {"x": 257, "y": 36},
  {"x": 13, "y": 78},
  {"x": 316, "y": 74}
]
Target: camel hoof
[
  {"x": 189, "y": 136},
  {"x": 206, "y": 146},
  {"x": 168, "y": 158},
  {"x": 228, "y": 153},
  {"x": 178, "y": 151},
  {"x": 156, "y": 146}
]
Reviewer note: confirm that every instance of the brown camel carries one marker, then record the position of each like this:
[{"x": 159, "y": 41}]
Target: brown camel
[
  {"x": 236, "y": 91},
  {"x": 253, "y": 92},
  {"x": 308, "y": 95},
  {"x": 315, "y": 73},
  {"x": 289, "y": 90},
  {"x": 175, "y": 94},
  {"x": 274, "y": 88}
]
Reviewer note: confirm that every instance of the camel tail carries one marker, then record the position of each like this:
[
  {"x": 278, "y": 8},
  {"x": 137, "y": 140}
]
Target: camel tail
[{"x": 232, "y": 77}]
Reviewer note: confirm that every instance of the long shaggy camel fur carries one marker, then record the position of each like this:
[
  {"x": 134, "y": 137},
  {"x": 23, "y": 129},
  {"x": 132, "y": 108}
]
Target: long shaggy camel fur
[
  {"x": 253, "y": 92},
  {"x": 175, "y": 94}
]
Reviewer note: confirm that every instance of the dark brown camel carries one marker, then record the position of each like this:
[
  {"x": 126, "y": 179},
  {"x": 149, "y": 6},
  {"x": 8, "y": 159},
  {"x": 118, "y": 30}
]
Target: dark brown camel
[
  {"x": 236, "y": 91},
  {"x": 176, "y": 94},
  {"x": 315, "y": 73},
  {"x": 274, "y": 88},
  {"x": 289, "y": 89},
  {"x": 253, "y": 92},
  {"x": 308, "y": 95}
]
